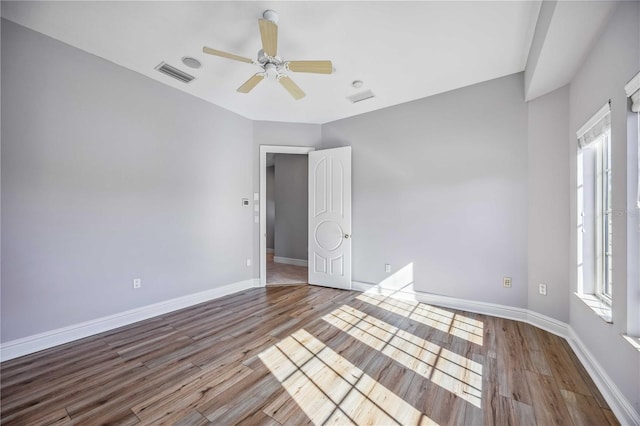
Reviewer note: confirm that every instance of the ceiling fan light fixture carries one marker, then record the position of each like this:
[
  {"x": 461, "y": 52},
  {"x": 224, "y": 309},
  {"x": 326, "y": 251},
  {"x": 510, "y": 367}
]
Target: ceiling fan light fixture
[{"x": 271, "y": 71}]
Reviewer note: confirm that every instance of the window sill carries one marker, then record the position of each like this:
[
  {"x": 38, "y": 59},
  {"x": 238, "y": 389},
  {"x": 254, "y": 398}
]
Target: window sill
[
  {"x": 633, "y": 341},
  {"x": 600, "y": 308}
]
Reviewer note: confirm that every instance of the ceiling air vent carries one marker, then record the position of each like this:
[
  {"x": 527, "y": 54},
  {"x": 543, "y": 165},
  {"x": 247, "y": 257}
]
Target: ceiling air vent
[
  {"x": 362, "y": 96},
  {"x": 174, "y": 72}
]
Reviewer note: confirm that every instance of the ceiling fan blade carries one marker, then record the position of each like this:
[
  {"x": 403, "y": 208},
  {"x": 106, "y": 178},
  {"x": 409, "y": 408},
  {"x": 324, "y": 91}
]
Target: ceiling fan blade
[
  {"x": 291, "y": 87},
  {"x": 251, "y": 83},
  {"x": 222, "y": 54},
  {"x": 316, "y": 67},
  {"x": 269, "y": 35}
]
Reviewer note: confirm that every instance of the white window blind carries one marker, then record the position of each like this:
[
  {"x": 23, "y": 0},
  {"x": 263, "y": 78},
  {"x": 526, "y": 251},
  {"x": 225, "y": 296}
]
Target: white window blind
[
  {"x": 633, "y": 91},
  {"x": 597, "y": 126}
]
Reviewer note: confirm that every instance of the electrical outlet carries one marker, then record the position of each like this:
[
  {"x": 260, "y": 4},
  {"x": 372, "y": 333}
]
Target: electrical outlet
[
  {"x": 387, "y": 267},
  {"x": 137, "y": 283},
  {"x": 542, "y": 289},
  {"x": 506, "y": 282}
]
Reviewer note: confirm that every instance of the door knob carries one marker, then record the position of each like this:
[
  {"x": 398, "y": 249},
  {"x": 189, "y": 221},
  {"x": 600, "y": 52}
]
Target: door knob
[{"x": 347, "y": 236}]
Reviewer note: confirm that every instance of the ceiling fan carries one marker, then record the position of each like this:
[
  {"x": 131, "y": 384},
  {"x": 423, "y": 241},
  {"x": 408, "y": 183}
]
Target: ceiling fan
[{"x": 273, "y": 66}]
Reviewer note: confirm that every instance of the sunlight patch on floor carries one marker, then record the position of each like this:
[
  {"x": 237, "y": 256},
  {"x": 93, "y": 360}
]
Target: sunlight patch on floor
[
  {"x": 458, "y": 325},
  {"x": 455, "y": 373},
  {"x": 331, "y": 390}
]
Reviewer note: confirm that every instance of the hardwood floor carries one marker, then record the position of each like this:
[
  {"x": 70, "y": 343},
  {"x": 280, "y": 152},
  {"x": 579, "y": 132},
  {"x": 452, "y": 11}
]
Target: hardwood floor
[{"x": 307, "y": 355}]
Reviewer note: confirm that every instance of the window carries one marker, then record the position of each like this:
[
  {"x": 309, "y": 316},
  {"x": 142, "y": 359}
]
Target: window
[
  {"x": 595, "y": 221},
  {"x": 605, "y": 218}
]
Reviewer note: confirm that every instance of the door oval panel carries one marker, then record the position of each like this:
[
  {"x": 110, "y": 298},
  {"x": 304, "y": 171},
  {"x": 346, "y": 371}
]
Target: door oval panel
[{"x": 328, "y": 235}]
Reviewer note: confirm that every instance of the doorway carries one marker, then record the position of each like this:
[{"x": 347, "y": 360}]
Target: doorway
[
  {"x": 281, "y": 265},
  {"x": 287, "y": 218}
]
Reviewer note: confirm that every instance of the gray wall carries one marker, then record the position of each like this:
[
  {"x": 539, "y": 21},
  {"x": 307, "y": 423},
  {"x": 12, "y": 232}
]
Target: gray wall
[
  {"x": 271, "y": 206},
  {"x": 613, "y": 61},
  {"x": 1, "y": 20},
  {"x": 442, "y": 183},
  {"x": 292, "y": 200},
  {"x": 548, "y": 206},
  {"x": 108, "y": 176}
]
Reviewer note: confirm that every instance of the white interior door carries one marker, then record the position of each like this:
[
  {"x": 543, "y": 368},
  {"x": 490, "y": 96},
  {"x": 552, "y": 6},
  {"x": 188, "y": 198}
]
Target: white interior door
[{"x": 330, "y": 217}]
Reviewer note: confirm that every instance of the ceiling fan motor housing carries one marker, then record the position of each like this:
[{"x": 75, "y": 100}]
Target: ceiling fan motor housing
[
  {"x": 263, "y": 58},
  {"x": 270, "y": 15}
]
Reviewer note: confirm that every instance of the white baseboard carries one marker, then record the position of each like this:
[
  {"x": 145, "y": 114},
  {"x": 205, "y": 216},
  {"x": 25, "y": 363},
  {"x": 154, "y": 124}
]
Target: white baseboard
[
  {"x": 549, "y": 324},
  {"x": 619, "y": 404},
  {"x": 290, "y": 261},
  {"x": 49, "y": 339},
  {"x": 360, "y": 286},
  {"x": 502, "y": 311}
]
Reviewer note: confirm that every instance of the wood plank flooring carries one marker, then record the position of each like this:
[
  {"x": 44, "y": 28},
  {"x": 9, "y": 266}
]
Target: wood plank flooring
[{"x": 295, "y": 355}]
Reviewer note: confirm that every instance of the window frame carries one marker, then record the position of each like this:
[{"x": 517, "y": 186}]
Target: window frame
[
  {"x": 595, "y": 214},
  {"x": 604, "y": 224}
]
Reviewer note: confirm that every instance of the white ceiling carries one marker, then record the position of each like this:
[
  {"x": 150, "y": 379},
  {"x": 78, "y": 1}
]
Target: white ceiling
[{"x": 401, "y": 50}]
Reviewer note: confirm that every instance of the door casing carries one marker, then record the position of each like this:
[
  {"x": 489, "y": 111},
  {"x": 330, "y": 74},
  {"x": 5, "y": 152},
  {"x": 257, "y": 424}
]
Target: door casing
[{"x": 264, "y": 150}]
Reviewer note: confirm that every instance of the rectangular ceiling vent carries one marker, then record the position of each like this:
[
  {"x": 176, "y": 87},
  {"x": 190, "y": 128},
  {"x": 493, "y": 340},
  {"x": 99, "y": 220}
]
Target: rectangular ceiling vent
[
  {"x": 174, "y": 72},
  {"x": 362, "y": 96}
]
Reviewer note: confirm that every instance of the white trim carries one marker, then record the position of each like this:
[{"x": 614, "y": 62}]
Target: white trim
[
  {"x": 635, "y": 101},
  {"x": 276, "y": 149},
  {"x": 360, "y": 286},
  {"x": 620, "y": 406},
  {"x": 502, "y": 311},
  {"x": 632, "y": 340},
  {"x": 633, "y": 85},
  {"x": 600, "y": 308},
  {"x": 549, "y": 324},
  {"x": 599, "y": 115},
  {"x": 49, "y": 339},
  {"x": 290, "y": 261},
  {"x": 632, "y": 88}
]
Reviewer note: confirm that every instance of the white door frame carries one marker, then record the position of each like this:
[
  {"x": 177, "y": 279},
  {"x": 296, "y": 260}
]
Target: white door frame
[{"x": 264, "y": 150}]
